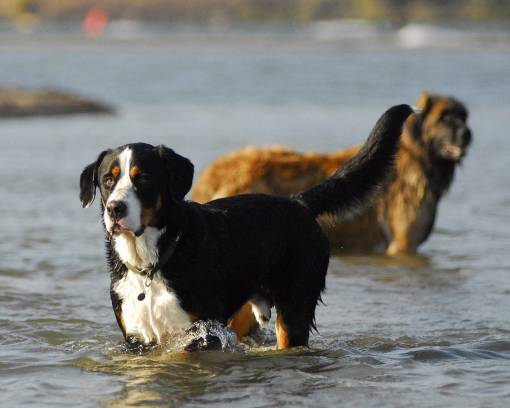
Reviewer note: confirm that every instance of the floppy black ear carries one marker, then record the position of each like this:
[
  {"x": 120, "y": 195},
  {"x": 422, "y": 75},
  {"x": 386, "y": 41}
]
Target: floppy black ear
[
  {"x": 180, "y": 171},
  {"x": 88, "y": 181}
]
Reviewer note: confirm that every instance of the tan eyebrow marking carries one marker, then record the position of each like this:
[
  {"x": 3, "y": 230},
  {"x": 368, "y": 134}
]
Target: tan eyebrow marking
[
  {"x": 134, "y": 171},
  {"x": 116, "y": 171}
]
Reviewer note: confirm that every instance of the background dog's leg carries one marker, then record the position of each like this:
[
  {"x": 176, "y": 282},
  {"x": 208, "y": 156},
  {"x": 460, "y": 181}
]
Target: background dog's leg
[
  {"x": 401, "y": 242},
  {"x": 398, "y": 247}
]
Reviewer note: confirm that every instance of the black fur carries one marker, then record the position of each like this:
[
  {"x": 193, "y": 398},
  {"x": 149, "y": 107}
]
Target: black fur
[
  {"x": 180, "y": 171},
  {"x": 354, "y": 185},
  {"x": 249, "y": 245},
  {"x": 88, "y": 181}
]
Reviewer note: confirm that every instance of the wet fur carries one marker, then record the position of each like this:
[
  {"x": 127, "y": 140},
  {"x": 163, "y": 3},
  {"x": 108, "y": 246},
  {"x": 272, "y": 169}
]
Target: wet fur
[
  {"x": 403, "y": 216},
  {"x": 266, "y": 249}
]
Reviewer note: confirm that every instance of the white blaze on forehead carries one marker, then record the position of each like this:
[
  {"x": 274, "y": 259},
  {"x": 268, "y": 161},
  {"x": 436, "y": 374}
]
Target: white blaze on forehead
[
  {"x": 124, "y": 184},
  {"x": 124, "y": 191}
]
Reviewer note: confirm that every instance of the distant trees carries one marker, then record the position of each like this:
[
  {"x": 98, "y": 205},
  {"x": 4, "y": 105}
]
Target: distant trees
[{"x": 253, "y": 10}]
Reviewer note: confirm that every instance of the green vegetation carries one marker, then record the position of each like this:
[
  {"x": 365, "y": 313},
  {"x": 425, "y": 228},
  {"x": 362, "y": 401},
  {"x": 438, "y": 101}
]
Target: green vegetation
[{"x": 265, "y": 10}]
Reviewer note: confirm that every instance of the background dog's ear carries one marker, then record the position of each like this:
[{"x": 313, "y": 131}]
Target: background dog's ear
[
  {"x": 424, "y": 102},
  {"x": 180, "y": 171},
  {"x": 415, "y": 122},
  {"x": 88, "y": 181}
]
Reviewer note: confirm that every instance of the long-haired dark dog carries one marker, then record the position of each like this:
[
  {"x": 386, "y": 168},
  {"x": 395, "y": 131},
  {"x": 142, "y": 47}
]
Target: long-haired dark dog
[
  {"x": 433, "y": 144},
  {"x": 174, "y": 262}
]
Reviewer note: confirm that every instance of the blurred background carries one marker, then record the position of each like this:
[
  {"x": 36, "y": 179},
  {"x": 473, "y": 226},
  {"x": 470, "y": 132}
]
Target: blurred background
[
  {"x": 205, "y": 77},
  {"x": 260, "y": 10}
]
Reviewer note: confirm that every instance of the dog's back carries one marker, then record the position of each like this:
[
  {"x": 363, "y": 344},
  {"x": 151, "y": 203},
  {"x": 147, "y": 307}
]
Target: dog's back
[{"x": 273, "y": 170}]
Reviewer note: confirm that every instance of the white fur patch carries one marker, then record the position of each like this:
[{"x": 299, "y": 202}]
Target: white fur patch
[
  {"x": 139, "y": 251},
  {"x": 261, "y": 309},
  {"x": 159, "y": 314},
  {"x": 124, "y": 192}
]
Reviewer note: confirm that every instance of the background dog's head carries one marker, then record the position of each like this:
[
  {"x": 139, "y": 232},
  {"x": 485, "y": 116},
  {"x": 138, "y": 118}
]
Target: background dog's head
[
  {"x": 138, "y": 184},
  {"x": 441, "y": 127}
]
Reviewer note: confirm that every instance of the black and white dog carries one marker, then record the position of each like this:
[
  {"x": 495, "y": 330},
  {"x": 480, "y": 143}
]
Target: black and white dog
[{"x": 174, "y": 262}]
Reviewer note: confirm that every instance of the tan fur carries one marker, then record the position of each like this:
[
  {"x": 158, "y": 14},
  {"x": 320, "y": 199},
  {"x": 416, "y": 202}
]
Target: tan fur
[
  {"x": 396, "y": 223},
  {"x": 134, "y": 171},
  {"x": 243, "y": 322},
  {"x": 116, "y": 171},
  {"x": 282, "y": 334}
]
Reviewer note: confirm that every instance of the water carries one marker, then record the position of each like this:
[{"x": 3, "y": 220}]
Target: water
[{"x": 432, "y": 330}]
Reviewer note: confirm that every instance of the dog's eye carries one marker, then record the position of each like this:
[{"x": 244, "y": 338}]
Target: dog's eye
[
  {"x": 108, "y": 181},
  {"x": 447, "y": 116}
]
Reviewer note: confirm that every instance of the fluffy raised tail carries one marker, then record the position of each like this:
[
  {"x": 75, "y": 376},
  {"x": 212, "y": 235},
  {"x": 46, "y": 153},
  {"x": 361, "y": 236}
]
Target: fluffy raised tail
[{"x": 355, "y": 184}]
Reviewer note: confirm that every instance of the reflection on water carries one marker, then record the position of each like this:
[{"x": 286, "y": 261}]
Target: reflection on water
[
  {"x": 214, "y": 377},
  {"x": 430, "y": 330},
  {"x": 365, "y": 363},
  {"x": 401, "y": 270}
]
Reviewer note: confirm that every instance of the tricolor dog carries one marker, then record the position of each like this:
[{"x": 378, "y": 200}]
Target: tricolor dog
[{"x": 174, "y": 262}]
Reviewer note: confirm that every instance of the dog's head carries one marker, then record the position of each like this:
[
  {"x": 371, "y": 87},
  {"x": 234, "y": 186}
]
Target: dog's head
[
  {"x": 138, "y": 184},
  {"x": 441, "y": 127}
]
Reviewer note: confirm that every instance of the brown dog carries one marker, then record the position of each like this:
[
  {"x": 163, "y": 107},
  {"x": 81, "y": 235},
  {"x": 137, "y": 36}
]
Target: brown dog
[{"x": 432, "y": 145}]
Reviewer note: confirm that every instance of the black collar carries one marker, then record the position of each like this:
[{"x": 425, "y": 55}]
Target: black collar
[{"x": 150, "y": 271}]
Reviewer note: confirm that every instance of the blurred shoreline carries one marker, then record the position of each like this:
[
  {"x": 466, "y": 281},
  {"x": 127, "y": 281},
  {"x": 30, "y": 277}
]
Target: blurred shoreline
[
  {"x": 26, "y": 103},
  {"x": 22, "y": 11},
  {"x": 341, "y": 35}
]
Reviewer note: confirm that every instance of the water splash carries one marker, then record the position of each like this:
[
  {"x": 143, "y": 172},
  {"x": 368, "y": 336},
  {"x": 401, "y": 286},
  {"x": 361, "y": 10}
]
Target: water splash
[
  {"x": 206, "y": 336},
  {"x": 261, "y": 337}
]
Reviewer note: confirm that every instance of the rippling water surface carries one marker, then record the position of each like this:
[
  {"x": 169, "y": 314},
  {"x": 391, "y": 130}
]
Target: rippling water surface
[{"x": 432, "y": 330}]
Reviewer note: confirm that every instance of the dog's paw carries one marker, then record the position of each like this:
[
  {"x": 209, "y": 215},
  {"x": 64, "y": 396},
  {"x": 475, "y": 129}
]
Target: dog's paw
[
  {"x": 136, "y": 345},
  {"x": 207, "y": 343},
  {"x": 209, "y": 335}
]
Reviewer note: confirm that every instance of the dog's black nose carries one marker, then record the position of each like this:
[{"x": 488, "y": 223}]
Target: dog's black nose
[{"x": 116, "y": 210}]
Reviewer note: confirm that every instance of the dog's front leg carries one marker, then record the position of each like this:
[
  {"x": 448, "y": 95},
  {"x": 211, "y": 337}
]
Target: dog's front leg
[{"x": 203, "y": 338}]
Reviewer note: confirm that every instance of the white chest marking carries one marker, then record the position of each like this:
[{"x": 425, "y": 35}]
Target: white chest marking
[
  {"x": 141, "y": 251},
  {"x": 159, "y": 314}
]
